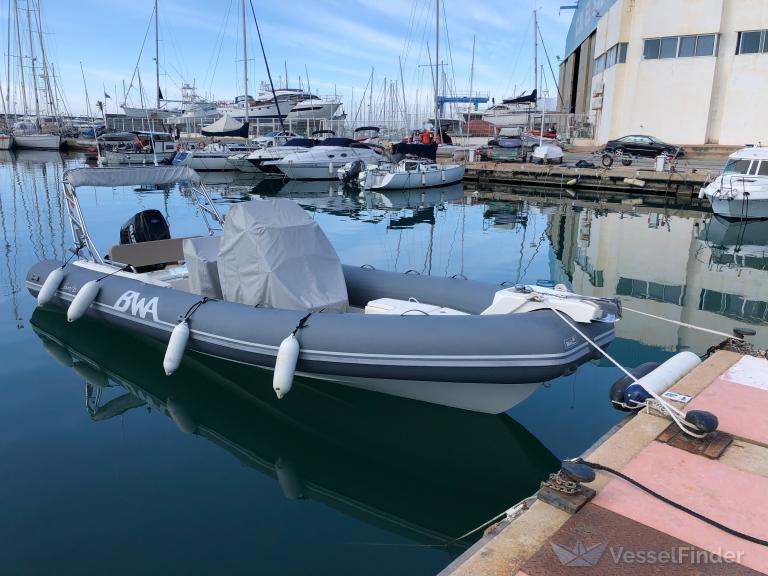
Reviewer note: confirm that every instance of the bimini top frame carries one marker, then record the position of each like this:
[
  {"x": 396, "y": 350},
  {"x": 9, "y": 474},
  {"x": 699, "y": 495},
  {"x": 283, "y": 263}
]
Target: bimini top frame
[{"x": 111, "y": 177}]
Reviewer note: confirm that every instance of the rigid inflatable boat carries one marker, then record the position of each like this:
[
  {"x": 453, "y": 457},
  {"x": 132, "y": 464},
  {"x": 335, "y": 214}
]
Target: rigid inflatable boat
[{"x": 269, "y": 291}]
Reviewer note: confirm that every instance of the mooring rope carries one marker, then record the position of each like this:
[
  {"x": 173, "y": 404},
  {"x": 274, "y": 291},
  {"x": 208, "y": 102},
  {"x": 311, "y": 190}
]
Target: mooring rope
[
  {"x": 685, "y": 324},
  {"x": 697, "y": 515}
]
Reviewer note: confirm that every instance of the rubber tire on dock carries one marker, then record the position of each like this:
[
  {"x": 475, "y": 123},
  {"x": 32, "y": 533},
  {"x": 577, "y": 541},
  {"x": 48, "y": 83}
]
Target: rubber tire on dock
[{"x": 607, "y": 160}]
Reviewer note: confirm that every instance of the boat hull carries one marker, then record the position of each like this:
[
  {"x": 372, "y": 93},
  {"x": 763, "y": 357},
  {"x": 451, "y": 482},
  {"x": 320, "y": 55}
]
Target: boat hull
[
  {"x": 312, "y": 110},
  {"x": 409, "y": 355},
  {"x": 445, "y": 176},
  {"x": 6, "y": 141},
  {"x": 110, "y": 157},
  {"x": 205, "y": 162},
  {"x": 39, "y": 141}
]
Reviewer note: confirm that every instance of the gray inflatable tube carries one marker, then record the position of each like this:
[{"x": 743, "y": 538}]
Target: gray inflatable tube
[{"x": 492, "y": 349}]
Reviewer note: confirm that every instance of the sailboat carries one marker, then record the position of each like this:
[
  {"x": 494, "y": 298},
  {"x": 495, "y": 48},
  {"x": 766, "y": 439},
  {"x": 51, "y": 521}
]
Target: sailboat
[
  {"x": 155, "y": 112},
  {"x": 519, "y": 110},
  {"x": 28, "y": 131}
]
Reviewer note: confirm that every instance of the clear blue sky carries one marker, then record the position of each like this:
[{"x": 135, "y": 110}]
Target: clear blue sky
[{"x": 338, "y": 41}]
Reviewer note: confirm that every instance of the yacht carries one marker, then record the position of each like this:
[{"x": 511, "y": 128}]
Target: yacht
[
  {"x": 741, "y": 190},
  {"x": 323, "y": 162},
  {"x": 194, "y": 109},
  {"x": 293, "y": 103},
  {"x": 255, "y": 161},
  {"x": 315, "y": 107},
  {"x": 212, "y": 157},
  {"x": 513, "y": 111}
]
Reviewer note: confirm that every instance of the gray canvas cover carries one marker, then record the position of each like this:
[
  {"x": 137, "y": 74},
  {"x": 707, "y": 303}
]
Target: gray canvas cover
[
  {"x": 200, "y": 255},
  {"x": 273, "y": 254},
  {"x": 135, "y": 175}
]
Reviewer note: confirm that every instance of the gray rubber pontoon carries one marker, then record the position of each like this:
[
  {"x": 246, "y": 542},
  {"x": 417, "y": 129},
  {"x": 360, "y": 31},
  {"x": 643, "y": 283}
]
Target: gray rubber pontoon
[{"x": 472, "y": 346}]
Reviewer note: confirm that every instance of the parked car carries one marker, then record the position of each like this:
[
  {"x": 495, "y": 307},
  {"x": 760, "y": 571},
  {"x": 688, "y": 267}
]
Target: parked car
[{"x": 639, "y": 145}]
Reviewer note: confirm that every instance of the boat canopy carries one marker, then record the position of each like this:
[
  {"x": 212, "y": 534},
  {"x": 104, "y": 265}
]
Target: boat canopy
[
  {"x": 226, "y": 126},
  {"x": 415, "y": 149},
  {"x": 364, "y": 128},
  {"x": 529, "y": 99},
  {"x": 346, "y": 142},
  {"x": 318, "y": 132},
  {"x": 305, "y": 142},
  {"x": 135, "y": 175}
]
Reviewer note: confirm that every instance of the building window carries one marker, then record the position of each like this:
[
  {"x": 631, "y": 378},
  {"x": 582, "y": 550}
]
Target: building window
[
  {"x": 599, "y": 64},
  {"x": 705, "y": 44},
  {"x": 751, "y": 42},
  {"x": 617, "y": 54},
  {"x": 651, "y": 49},
  {"x": 622, "y": 52},
  {"x": 668, "y": 47},
  {"x": 680, "y": 46}
]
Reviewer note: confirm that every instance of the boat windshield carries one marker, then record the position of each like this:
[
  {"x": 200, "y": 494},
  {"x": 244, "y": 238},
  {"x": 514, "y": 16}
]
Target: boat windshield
[{"x": 736, "y": 166}]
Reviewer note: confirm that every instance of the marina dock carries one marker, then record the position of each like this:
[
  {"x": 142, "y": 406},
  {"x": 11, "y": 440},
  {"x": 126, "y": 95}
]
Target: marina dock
[
  {"x": 631, "y": 179},
  {"x": 623, "y": 530}
]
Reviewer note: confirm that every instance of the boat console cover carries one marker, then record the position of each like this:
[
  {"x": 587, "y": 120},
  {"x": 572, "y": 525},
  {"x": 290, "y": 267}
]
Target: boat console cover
[
  {"x": 274, "y": 254},
  {"x": 201, "y": 256}
]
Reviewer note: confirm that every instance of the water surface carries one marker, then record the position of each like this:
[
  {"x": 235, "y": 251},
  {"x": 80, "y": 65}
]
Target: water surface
[{"x": 111, "y": 467}]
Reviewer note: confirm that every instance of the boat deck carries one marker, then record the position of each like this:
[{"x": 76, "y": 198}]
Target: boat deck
[{"x": 623, "y": 530}]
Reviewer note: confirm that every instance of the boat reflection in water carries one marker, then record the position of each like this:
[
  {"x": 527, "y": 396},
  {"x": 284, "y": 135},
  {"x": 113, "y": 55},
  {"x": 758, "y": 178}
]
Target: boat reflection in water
[
  {"x": 425, "y": 472},
  {"x": 737, "y": 243}
]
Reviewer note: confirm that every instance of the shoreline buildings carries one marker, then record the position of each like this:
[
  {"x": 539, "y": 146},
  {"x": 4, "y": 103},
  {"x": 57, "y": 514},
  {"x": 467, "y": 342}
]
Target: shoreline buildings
[{"x": 685, "y": 72}]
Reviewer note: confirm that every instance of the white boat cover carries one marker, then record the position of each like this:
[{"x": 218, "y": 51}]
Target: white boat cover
[
  {"x": 224, "y": 124},
  {"x": 273, "y": 254},
  {"x": 200, "y": 255},
  {"x": 131, "y": 176}
]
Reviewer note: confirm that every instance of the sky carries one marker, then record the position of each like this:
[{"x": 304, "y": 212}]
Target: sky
[{"x": 336, "y": 43}]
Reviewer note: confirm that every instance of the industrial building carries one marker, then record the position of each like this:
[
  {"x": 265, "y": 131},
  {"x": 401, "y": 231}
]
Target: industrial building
[{"x": 688, "y": 72}]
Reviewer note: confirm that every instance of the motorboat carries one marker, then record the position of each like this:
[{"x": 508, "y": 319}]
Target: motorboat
[
  {"x": 232, "y": 408},
  {"x": 323, "y": 161},
  {"x": 146, "y": 148},
  {"x": 736, "y": 243},
  {"x": 260, "y": 160},
  {"x": 212, "y": 157},
  {"x": 265, "y": 288},
  {"x": 314, "y": 107},
  {"x": 741, "y": 190},
  {"x": 6, "y": 141},
  {"x": 417, "y": 171},
  {"x": 518, "y": 111}
]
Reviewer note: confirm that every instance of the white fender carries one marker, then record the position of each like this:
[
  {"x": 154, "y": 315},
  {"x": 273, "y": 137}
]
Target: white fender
[
  {"x": 289, "y": 479},
  {"x": 177, "y": 343},
  {"x": 57, "y": 352},
  {"x": 285, "y": 365},
  {"x": 442, "y": 174},
  {"x": 701, "y": 192},
  {"x": 330, "y": 168},
  {"x": 50, "y": 287},
  {"x": 423, "y": 178},
  {"x": 92, "y": 375},
  {"x": 84, "y": 298},
  {"x": 662, "y": 378},
  {"x": 180, "y": 416}
]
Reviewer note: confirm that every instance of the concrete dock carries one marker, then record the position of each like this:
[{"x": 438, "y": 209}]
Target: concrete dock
[
  {"x": 623, "y": 530},
  {"x": 633, "y": 179}
]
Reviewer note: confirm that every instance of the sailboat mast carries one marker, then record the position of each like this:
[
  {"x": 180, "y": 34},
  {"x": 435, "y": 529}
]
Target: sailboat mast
[
  {"x": 34, "y": 68},
  {"x": 157, "y": 55},
  {"x": 52, "y": 101},
  {"x": 245, "y": 63},
  {"x": 20, "y": 57},
  {"x": 437, "y": 69},
  {"x": 536, "y": 55}
]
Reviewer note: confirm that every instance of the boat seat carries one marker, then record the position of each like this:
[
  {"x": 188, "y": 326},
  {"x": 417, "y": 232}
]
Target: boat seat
[
  {"x": 201, "y": 255},
  {"x": 152, "y": 253},
  {"x": 394, "y": 307}
]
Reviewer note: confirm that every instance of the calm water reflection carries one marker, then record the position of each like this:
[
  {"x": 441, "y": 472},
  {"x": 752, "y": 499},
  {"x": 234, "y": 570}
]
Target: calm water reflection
[{"x": 111, "y": 464}]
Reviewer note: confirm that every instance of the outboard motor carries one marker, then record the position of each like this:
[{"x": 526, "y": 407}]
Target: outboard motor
[
  {"x": 350, "y": 176},
  {"x": 145, "y": 226}
]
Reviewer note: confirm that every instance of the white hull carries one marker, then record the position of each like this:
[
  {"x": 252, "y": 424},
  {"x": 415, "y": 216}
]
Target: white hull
[
  {"x": 323, "y": 163},
  {"x": 511, "y": 118},
  {"x": 443, "y": 175},
  {"x": 755, "y": 207},
  {"x": 40, "y": 141},
  {"x": 314, "y": 110},
  {"x": 110, "y": 157},
  {"x": 258, "y": 112},
  {"x": 6, "y": 141},
  {"x": 241, "y": 162},
  {"x": 148, "y": 112},
  {"x": 207, "y": 161}
]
